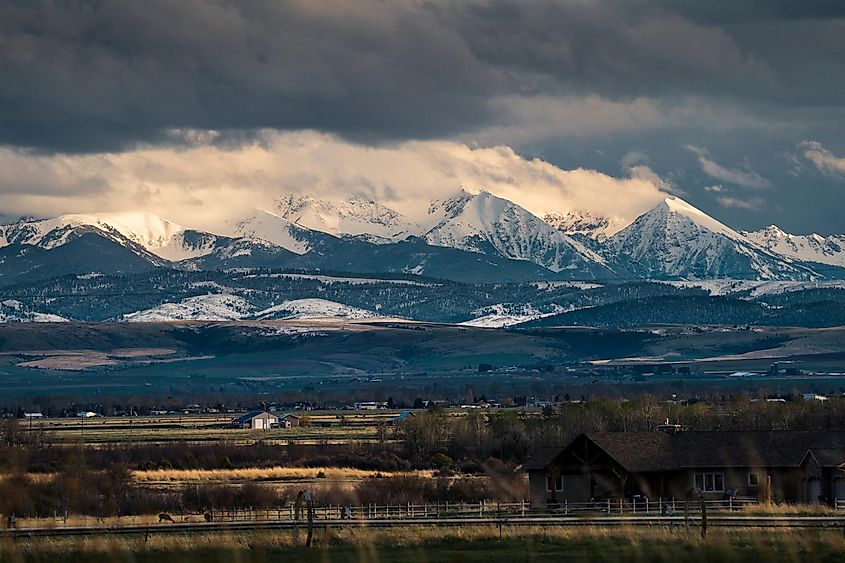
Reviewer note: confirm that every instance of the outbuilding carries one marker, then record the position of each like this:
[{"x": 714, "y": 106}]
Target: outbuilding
[
  {"x": 289, "y": 421},
  {"x": 256, "y": 420}
]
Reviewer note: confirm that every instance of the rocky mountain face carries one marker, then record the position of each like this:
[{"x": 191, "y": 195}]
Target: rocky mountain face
[
  {"x": 675, "y": 240},
  {"x": 810, "y": 248}
]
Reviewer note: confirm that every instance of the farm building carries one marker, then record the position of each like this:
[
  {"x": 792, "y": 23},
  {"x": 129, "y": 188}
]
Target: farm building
[
  {"x": 256, "y": 420},
  {"x": 804, "y": 467},
  {"x": 289, "y": 421}
]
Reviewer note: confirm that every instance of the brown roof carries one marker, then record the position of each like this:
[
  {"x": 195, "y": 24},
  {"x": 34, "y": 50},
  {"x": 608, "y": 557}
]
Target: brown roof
[{"x": 661, "y": 451}]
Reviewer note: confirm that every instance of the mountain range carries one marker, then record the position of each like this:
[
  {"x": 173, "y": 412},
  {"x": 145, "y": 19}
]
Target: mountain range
[{"x": 470, "y": 237}]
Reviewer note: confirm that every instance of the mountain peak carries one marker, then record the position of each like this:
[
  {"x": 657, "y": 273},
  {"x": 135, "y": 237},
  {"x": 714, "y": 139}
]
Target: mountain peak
[
  {"x": 677, "y": 206},
  {"x": 576, "y": 221},
  {"x": 359, "y": 215}
]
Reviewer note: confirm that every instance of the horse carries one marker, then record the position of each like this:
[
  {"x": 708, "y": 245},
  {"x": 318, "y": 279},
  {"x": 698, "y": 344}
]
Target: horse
[{"x": 165, "y": 517}]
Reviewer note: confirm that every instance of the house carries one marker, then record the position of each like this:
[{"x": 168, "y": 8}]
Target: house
[
  {"x": 805, "y": 467},
  {"x": 289, "y": 421},
  {"x": 256, "y": 420},
  {"x": 31, "y": 415}
]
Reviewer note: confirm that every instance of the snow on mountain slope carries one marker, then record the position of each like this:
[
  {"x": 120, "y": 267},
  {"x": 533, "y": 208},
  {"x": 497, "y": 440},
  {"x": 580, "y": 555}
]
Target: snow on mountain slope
[
  {"x": 215, "y": 307},
  {"x": 158, "y": 236},
  {"x": 585, "y": 223},
  {"x": 809, "y": 248},
  {"x": 677, "y": 240},
  {"x": 489, "y": 224},
  {"x": 507, "y": 314},
  {"x": 357, "y": 216},
  {"x": 314, "y": 309},
  {"x": 270, "y": 227},
  {"x": 751, "y": 289},
  {"x": 13, "y": 311}
]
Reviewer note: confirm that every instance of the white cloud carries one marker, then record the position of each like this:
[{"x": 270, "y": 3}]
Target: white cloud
[
  {"x": 824, "y": 160},
  {"x": 204, "y": 184},
  {"x": 747, "y": 178},
  {"x": 753, "y": 204}
]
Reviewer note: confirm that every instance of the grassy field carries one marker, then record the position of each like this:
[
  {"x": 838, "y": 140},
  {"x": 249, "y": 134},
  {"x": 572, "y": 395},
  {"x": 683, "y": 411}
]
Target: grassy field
[
  {"x": 166, "y": 358},
  {"x": 467, "y": 545},
  {"x": 325, "y": 427}
]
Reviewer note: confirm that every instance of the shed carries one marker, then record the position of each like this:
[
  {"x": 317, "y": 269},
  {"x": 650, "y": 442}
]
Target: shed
[
  {"x": 289, "y": 421},
  {"x": 256, "y": 420}
]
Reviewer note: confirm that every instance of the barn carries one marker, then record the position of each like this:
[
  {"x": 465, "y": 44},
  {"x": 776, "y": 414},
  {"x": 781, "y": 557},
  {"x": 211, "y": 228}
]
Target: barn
[{"x": 256, "y": 420}]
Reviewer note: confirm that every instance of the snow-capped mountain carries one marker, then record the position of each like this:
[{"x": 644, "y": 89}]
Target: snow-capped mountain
[
  {"x": 810, "y": 248},
  {"x": 488, "y": 224},
  {"x": 469, "y": 237},
  {"x": 157, "y": 236},
  {"x": 267, "y": 226},
  {"x": 677, "y": 240},
  {"x": 357, "y": 216},
  {"x": 577, "y": 222}
]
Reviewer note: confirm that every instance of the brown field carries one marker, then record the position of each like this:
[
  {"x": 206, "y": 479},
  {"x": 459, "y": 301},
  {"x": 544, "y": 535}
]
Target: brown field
[{"x": 269, "y": 474}]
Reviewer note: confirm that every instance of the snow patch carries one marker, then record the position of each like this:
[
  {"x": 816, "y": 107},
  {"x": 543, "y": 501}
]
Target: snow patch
[
  {"x": 216, "y": 307},
  {"x": 313, "y": 308}
]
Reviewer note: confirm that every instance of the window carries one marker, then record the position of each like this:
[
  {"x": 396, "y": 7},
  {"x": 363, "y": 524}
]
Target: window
[
  {"x": 554, "y": 484},
  {"x": 710, "y": 482},
  {"x": 753, "y": 480}
]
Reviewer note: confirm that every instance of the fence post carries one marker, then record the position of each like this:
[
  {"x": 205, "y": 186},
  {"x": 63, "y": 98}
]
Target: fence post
[
  {"x": 566, "y": 506},
  {"x": 522, "y": 506},
  {"x": 646, "y": 506}
]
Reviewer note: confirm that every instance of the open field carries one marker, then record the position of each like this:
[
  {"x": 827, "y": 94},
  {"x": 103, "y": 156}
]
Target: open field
[
  {"x": 429, "y": 544},
  {"x": 335, "y": 357},
  {"x": 325, "y": 427}
]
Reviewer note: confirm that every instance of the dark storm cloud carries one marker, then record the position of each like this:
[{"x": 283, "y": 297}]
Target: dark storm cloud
[{"x": 91, "y": 76}]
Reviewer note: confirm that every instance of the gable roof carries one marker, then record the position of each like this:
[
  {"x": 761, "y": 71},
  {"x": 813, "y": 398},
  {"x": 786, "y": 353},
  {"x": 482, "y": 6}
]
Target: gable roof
[
  {"x": 250, "y": 415},
  {"x": 639, "y": 452}
]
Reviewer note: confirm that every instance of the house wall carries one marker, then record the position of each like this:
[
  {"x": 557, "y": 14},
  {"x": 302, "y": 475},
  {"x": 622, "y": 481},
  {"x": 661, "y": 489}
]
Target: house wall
[
  {"x": 537, "y": 489},
  {"x": 787, "y": 485},
  {"x": 262, "y": 421},
  {"x": 577, "y": 487}
]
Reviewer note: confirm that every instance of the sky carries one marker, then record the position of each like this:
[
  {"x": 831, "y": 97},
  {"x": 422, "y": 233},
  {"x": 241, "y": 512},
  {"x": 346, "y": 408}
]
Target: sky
[{"x": 199, "y": 109}]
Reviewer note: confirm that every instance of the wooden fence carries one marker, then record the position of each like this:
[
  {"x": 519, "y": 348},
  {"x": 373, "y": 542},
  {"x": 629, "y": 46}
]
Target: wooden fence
[{"x": 643, "y": 506}]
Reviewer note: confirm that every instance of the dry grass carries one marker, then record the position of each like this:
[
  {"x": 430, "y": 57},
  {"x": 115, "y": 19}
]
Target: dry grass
[
  {"x": 295, "y": 474},
  {"x": 640, "y": 544},
  {"x": 791, "y": 510}
]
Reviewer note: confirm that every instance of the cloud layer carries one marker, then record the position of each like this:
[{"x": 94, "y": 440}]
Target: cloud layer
[{"x": 205, "y": 184}]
